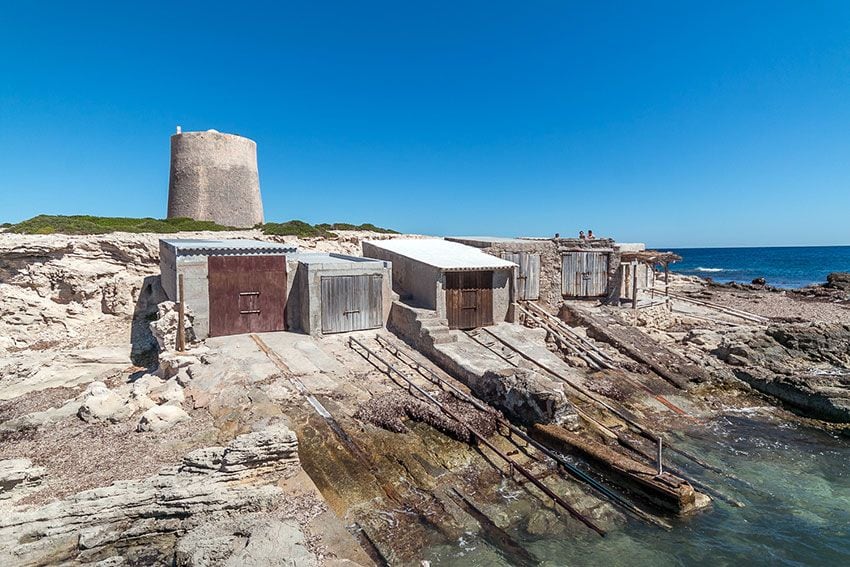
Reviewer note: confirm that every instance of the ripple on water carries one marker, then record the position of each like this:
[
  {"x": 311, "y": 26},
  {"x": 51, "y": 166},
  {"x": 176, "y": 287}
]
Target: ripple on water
[{"x": 797, "y": 513}]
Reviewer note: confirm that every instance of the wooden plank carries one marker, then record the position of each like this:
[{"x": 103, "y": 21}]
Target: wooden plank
[
  {"x": 527, "y": 280},
  {"x": 247, "y": 294},
  {"x": 570, "y": 274},
  {"x": 533, "y": 272}
]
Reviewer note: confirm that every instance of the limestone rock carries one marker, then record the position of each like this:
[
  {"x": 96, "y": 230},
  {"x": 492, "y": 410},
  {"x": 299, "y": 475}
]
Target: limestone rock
[
  {"x": 160, "y": 418},
  {"x": 164, "y": 328},
  {"x": 838, "y": 280},
  {"x": 141, "y": 520},
  {"x": 544, "y": 522},
  {"x": 525, "y": 395},
  {"x": 18, "y": 477},
  {"x": 101, "y": 404},
  {"x": 171, "y": 391},
  {"x": 706, "y": 339},
  {"x": 275, "y": 543}
]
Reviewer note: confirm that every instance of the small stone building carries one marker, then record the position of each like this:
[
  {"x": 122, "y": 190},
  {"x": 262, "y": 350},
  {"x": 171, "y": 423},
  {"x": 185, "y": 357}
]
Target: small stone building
[
  {"x": 551, "y": 270},
  {"x": 250, "y": 286},
  {"x": 333, "y": 293},
  {"x": 462, "y": 284},
  {"x": 230, "y": 286}
]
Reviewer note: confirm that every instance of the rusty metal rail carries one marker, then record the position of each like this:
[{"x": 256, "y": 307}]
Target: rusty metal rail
[
  {"x": 623, "y": 414},
  {"x": 586, "y": 349},
  {"x": 565, "y": 465},
  {"x": 411, "y": 386}
]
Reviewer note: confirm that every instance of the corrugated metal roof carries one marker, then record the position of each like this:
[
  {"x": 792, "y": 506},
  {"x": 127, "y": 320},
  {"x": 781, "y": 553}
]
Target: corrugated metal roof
[
  {"x": 443, "y": 254},
  {"x": 185, "y": 246},
  {"x": 331, "y": 258}
]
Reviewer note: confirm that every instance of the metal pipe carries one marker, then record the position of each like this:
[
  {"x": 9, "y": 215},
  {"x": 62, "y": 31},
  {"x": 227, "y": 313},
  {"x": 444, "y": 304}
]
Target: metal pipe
[{"x": 658, "y": 458}]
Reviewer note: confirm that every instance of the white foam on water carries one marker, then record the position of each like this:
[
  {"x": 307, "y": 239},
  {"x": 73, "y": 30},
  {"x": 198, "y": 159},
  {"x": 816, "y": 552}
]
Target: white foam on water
[{"x": 709, "y": 269}]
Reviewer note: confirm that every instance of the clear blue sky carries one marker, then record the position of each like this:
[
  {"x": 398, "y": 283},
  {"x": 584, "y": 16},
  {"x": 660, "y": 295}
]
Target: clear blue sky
[{"x": 674, "y": 123}]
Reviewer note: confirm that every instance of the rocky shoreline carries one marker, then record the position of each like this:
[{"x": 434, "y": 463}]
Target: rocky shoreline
[{"x": 116, "y": 450}]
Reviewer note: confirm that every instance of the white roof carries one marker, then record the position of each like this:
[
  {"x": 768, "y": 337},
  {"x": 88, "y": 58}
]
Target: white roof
[{"x": 442, "y": 254}]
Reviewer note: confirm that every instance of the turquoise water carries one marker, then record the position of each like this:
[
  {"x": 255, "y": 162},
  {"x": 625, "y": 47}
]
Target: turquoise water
[
  {"x": 797, "y": 508},
  {"x": 788, "y": 267}
]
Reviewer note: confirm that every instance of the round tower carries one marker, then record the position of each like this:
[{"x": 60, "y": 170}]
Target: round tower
[{"x": 214, "y": 177}]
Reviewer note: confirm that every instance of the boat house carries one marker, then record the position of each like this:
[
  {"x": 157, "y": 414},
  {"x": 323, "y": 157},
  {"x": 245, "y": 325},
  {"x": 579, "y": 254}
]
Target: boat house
[
  {"x": 233, "y": 287},
  {"x": 462, "y": 284},
  {"x": 334, "y": 293},
  {"x": 230, "y": 286}
]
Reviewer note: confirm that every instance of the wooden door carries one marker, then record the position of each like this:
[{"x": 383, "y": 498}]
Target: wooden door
[
  {"x": 469, "y": 299},
  {"x": 351, "y": 303},
  {"x": 596, "y": 270},
  {"x": 584, "y": 274},
  {"x": 528, "y": 276},
  {"x": 247, "y": 294}
]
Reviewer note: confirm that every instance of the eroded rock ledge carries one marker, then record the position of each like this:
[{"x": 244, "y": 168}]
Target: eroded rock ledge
[{"x": 142, "y": 520}]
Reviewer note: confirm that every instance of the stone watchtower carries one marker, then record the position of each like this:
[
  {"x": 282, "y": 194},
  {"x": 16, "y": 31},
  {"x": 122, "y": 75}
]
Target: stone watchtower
[{"x": 214, "y": 177}]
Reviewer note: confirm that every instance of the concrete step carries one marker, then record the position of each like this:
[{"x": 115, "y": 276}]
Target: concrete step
[
  {"x": 433, "y": 323},
  {"x": 442, "y": 337}
]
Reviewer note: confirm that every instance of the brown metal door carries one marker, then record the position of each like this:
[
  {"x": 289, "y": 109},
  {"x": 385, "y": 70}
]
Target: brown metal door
[
  {"x": 469, "y": 299},
  {"x": 247, "y": 294}
]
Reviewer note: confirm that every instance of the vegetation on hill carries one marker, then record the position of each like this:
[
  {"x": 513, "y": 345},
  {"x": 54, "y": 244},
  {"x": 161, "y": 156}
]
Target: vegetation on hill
[
  {"x": 366, "y": 226},
  {"x": 295, "y": 228},
  {"x": 87, "y": 224},
  {"x": 306, "y": 230}
]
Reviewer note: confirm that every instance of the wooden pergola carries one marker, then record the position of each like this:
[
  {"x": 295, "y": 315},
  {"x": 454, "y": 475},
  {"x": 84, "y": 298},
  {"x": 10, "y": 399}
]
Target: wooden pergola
[{"x": 651, "y": 258}]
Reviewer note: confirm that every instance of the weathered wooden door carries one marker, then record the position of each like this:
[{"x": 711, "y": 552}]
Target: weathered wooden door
[
  {"x": 584, "y": 274},
  {"x": 351, "y": 303},
  {"x": 247, "y": 294},
  {"x": 528, "y": 276},
  {"x": 469, "y": 299}
]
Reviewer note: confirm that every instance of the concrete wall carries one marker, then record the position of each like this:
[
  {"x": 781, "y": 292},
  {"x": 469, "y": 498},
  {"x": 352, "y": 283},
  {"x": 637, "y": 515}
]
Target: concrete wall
[
  {"x": 214, "y": 177},
  {"x": 425, "y": 286},
  {"x": 411, "y": 279},
  {"x": 551, "y": 253},
  {"x": 304, "y": 293},
  {"x": 502, "y": 295},
  {"x": 196, "y": 291}
]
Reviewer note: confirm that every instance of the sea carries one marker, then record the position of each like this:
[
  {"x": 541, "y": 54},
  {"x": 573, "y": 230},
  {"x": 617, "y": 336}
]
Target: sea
[
  {"x": 793, "y": 479},
  {"x": 781, "y": 266},
  {"x": 794, "y": 483}
]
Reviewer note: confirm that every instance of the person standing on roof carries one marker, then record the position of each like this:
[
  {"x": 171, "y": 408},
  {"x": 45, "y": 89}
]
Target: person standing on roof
[
  {"x": 590, "y": 235},
  {"x": 581, "y": 235}
]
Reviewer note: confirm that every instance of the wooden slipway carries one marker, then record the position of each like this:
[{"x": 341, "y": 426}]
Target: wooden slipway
[
  {"x": 636, "y": 344},
  {"x": 665, "y": 490}
]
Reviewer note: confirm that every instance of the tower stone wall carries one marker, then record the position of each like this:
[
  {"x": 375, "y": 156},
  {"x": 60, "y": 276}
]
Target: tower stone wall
[{"x": 214, "y": 177}]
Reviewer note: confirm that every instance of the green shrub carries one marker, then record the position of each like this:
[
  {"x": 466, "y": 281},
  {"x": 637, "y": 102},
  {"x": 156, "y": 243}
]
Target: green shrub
[
  {"x": 347, "y": 226},
  {"x": 87, "y": 224},
  {"x": 296, "y": 228}
]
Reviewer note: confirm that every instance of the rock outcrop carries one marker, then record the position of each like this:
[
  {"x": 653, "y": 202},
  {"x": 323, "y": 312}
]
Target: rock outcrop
[
  {"x": 141, "y": 520},
  {"x": 806, "y": 366}
]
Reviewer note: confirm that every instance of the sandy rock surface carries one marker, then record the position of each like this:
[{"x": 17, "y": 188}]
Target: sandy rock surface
[{"x": 112, "y": 447}]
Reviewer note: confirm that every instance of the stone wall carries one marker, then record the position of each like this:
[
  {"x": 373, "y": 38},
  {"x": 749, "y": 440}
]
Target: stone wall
[{"x": 214, "y": 177}]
